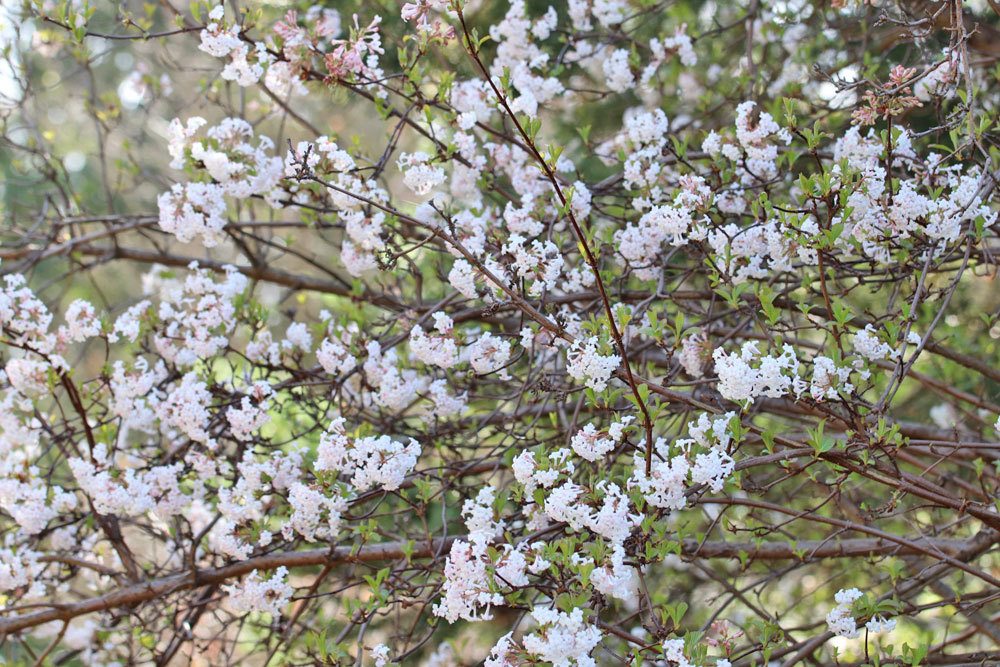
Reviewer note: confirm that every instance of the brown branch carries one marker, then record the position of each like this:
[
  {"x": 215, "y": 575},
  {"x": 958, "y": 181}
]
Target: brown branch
[
  {"x": 182, "y": 581},
  {"x": 163, "y": 586}
]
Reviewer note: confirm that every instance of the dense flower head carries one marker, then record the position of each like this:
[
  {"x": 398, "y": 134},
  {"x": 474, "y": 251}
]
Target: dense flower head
[
  {"x": 258, "y": 594},
  {"x": 563, "y": 639}
]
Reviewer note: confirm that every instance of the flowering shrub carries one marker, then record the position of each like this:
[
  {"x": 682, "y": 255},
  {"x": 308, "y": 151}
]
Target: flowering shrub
[{"x": 454, "y": 332}]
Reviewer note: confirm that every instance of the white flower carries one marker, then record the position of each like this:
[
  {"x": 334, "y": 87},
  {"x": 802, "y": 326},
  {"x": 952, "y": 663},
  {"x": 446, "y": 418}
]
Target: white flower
[
  {"x": 131, "y": 493},
  {"x": 615, "y": 578},
  {"x": 466, "y": 587},
  {"x": 463, "y": 279},
  {"x": 580, "y": 205},
  {"x": 740, "y": 381},
  {"x": 693, "y": 352},
  {"x": 673, "y": 651},
  {"x": 282, "y": 80},
  {"x": 309, "y": 505},
  {"x": 372, "y": 461},
  {"x": 128, "y": 325},
  {"x": 665, "y": 485},
  {"x": 186, "y": 409},
  {"x": 868, "y": 345},
  {"x": 680, "y": 42},
  {"x": 335, "y": 357},
  {"x": 446, "y": 404},
  {"x": 614, "y": 520},
  {"x": 500, "y": 653},
  {"x": 216, "y": 39},
  {"x": 297, "y": 336},
  {"x": 193, "y": 209},
  {"x": 440, "y": 350},
  {"x": 539, "y": 262},
  {"x": 489, "y": 354},
  {"x": 712, "y": 144},
  {"x": 713, "y": 468},
  {"x": 511, "y": 566},
  {"x": 562, "y": 639},
  {"x": 587, "y": 365},
  {"x": 180, "y": 136},
  {"x": 563, "y": 504},
  {"x": 839, "y": 620},
  {"x": 828, "y": 379},
  {"x": 396, "y": 388},
  {"x": 19, "y": 567},
  {"x": 592, "y": 445},
  {"x": 418, "y": 173},
  {"x": 617, "y": 72},
  {"x": 880, "y": 624},
  {"x": 263, "y": 595},
  {"x": 380, "y": 654},
  {"x": 81, "y": 321},
  {"x": 28, "y": 376},
  {"x": 130, "y": 393},
  {"x": 245, "y": 67},
  {"x": 250, "y": 415},
  {"x": 524, "y": 466},
  {"x": 197, "y": 316}
]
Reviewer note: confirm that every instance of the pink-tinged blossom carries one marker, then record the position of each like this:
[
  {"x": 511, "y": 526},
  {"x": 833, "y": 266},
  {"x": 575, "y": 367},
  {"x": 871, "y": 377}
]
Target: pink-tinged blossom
[
  {"x": 186, "y": 409},
  {"x": 435, "y": 349},
  {"x": 463, "y": 278},
  {"x": 251, "y": 414},
  {"x": 616, "y": 579},
  {"x": 695, "y": 352},
  {"x": 81, "y": 322},
  {"x": 189, "y": 210},
  {"x": 489, "y": 354},
  {"x": 419, "y": 173},
  {"x": 27, "y": 375},
  {"x": 197, "y": 315},
  {"x": 20, "y": 567},
  {"x": 357, "y": 56},
  {"x": 316, "y": 515}
]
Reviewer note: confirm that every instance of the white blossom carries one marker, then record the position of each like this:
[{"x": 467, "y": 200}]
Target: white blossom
[
  {"x": 257, "y": 594},
  {"x": 587, "y": 365},
  {"x": 563, "y": 639}
]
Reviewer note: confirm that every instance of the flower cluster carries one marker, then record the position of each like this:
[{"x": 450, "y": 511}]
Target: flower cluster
[
  {"x": 703, "y": 458},
  {"x": 218, "y": 39},
  {"x": 397, "y": 272},
  {"x": 236, "y": 167},
  {"x": 841, "y": 622},
  {"x": 370, "y": 461},
  {"x": 562, "y": 639},
  {"x": 264, "y": 595},
  {"x": 591, "y": 444},
  {"x": 587, "y": 365}
]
